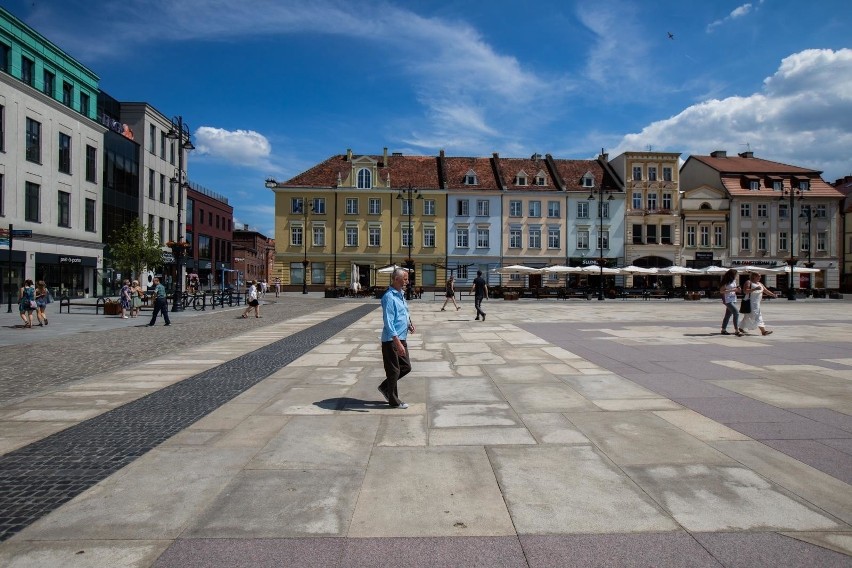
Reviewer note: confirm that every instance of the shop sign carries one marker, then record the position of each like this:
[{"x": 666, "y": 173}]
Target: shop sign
[
  {"x": 753, "y": 262},
  {"x": 168, "y": 257},
  {"x": 703, "y": 256},
  {"x": 70, "y": 260}
]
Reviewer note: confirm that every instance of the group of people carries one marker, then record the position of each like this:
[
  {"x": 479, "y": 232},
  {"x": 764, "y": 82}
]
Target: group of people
[
  {"x": 753, "y": 291},
  {"x": 33, "y": 299},
  {"x": 479, "y": 289},
  {"x": 131, "y": 297}
]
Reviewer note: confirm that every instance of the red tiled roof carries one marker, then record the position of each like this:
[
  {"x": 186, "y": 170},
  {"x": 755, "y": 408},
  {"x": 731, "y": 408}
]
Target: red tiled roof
[
  {"x": 572, "y": 172},
  {"x": 457, "y": 168},
  {"x": 736, "y": 172},
  {"x": 511, "y": 167}
]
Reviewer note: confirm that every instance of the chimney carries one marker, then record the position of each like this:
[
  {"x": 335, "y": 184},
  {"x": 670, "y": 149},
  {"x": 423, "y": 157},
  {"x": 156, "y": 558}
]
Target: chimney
[
  {"x": 603, "y": 156},
  {"x": 719, "y": 154},
  {"x": 349, "y": 154},
  {"x": 245, "y": 226},
  {"x": 535, "y": 157},
  {"x": 746, "y": 154},
  {"x": 385, "y": 162}
]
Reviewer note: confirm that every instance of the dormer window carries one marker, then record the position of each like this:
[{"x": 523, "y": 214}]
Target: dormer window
[
  {"x": 365, "y": 178},
  {"x": 540, "y": 181},
  {"x": 754, "y": 185},
  {"x": 521, "y": 178},
  {"x": 804, "y": 185},
  {"x": 588, "y": 180},
  {"x": 470, "y": 178}
]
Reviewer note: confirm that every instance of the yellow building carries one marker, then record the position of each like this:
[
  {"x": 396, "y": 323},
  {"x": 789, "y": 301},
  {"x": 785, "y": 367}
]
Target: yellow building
[{"x": 351, "y": 213}]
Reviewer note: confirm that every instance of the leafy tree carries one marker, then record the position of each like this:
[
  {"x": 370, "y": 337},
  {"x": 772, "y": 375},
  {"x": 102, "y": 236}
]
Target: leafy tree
[{"x": 134, "y": 247}]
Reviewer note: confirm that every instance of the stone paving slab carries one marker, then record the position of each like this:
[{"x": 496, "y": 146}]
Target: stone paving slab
[{"x": 614, "y": 487}]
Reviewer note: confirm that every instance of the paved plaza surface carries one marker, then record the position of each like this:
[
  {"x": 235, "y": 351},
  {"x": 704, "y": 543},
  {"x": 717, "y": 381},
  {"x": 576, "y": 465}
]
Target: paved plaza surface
[{"x": 555, "y": 433}]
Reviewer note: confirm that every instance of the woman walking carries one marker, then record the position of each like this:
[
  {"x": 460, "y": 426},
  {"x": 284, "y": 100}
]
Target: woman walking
[
  {"x": 729, "y": 291},
  {"x": 135, "y": 298},
  {"x": 42, "y": 298},
  {"x": 124, "y": 299},
  {"x": 450, "y": 293},
  {"x": 755, "y": 291},
  {"x": 253, "y": 302},
  {"x": 26, "y": 302}
]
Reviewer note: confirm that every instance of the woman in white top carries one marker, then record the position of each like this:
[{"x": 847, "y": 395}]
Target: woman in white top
[
  {"x": 755, "y": 292},
  {"x": 253, "y": 303},
  {"x": 729, "y": 291}
]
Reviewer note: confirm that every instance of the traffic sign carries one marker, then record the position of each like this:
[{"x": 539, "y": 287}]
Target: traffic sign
[{"x": 22, "y": 233}]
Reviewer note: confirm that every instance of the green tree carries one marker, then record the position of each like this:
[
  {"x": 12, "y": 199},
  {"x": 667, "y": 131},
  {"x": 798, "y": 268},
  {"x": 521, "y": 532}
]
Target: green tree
[{"x": 134, "y": 247}]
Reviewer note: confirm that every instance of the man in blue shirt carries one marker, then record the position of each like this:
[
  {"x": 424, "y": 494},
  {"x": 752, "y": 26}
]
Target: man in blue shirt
[
  {"x": 397, "y": 326},
  {"x": 160, "y": 303}
]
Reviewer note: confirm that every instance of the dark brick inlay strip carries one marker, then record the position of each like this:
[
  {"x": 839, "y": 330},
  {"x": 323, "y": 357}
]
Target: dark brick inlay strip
[{"x": 38, "y": 478}]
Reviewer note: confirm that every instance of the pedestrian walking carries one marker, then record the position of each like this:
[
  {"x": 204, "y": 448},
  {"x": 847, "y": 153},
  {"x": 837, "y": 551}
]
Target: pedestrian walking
[
  {"x": 124, "y": 299},
  {"x": 395, "y": 329},
  {"x": 42, "y": 299},
  {"x": 136, "y": 294},
  {"x": 480, "y": 292},
  {"x": 729, "y": 290},
  {"x": 277, "y": 287},
  {"x": 253, "y": 302},
  {"x": 755, "y": 291},
  {"x": 450, "y": 293},
  {"x": 26, "y": 302},
  {"x": 160, "y": 303}
]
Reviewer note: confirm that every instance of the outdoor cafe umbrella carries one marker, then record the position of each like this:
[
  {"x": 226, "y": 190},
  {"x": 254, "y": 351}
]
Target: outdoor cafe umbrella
[
  {"x": 799, "y": 269},
  {"x": 561, "y": 269},
  {"x": 758, "y": 269},
  {"x": 518, "y": 269},
  {"x": 593, "y": 269},
  {"x": 714, "y": 270},
  {"x": 631, "y": 269},
  {"x": 391, "y": 268}
]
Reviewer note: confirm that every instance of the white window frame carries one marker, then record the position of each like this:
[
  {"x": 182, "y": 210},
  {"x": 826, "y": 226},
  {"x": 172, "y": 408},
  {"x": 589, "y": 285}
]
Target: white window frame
[
  {"x": 762, "y": 210},
  {"x": 745, "y": 210},
  {"x": 364, "y": 178},
  {"x": 482, "y": 208},
  {"x": 374, "y": 236},
  {"x": 822, "y": 241},
  {"x": 582, "y": 210},
  {"x": 554, "y": 238},
  {"x": 583, "y": 239},
  {"x": 318, "y": 234},
  {"x": 515, "y": 238},
  {"x": 603, "y": 240},
  {"x": 782, "y": 241},
  {"x": 534, "y": 241},
  {"x": 516, "y": 208},
  {"x": 554, "y": 210},
  {"x": 483, "y": 238},
  {"x": 462, "y": 237},
  {"x": 429, "y": 234},
  {"x": 652, "y": 173},
  {"x": 374, "y": 206},
  {"x": 429, "y": 207},
  {"x": 637, "y": 173},
  {"x": 690, "y": 236},
  {"x": 718, "y": 236},
  {"x": 637, "y": 200},
  {"x": 351, "y": 205},
  {"x": 297, "y": 235},
  {"x": 351, "y": 238},
  {"x": 667, "y": 173},
  {"x": 745, "y": 240},
  {"x": 463, "y": 208},
  {"x": 761, "y": 240},
  {"x": 534, "y": 208},
  {"x": 407, "y": 235}
]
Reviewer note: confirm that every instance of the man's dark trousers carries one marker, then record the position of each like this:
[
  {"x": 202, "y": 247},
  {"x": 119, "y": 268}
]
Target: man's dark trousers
[
  {"x": 160, "y": 305},
  {"x": 396, "y": 367},
  {"x": 477, "y": 302}
]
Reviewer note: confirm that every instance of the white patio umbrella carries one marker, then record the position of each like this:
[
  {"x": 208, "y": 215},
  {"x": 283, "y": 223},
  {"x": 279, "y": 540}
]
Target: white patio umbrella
[
  {"x": 518, "y": 269},
  {"x": 391, "y": 268},
  {"x": 632, "y": 269},
  {"x": 799, "y": 269},
  {"x": 356, "y": 277},
  {"x": 561, "y": 269},
  {"x": 592, "y": 269},
  {"x": 677, "y": 270},
  {"x": 758, "y": 269},
  {"x": 714, "y": 270}
]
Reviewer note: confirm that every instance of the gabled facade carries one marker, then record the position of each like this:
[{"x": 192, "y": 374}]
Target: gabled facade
[
  {"x": 474, "y": 213},
  {"x": 209, "y": 232},
  {"x": 358, "y": 214},
  {"x": 768, "y": 221},
  {"x": 652, "y": 212}
]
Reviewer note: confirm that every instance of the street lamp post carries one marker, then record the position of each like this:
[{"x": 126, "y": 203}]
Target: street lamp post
[
  {"x": 792, "y": 194},
  {"x": 409, "y": 262},
  {"x": 600, "y": 192},
  {"x": 179, "y": 131},
  {"x": 305, "y": 209},
  {"x": 806, "y": 214}
]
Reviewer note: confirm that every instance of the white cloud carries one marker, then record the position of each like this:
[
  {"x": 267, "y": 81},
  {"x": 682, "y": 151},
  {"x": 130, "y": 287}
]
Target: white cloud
[
  {"x": 737, "y": 12},
  {"x": 800, "y": 117},
  {"x": 239, "y": 147}
]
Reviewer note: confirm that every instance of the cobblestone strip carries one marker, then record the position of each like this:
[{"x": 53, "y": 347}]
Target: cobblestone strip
[
  {"x": 38, "y": 478},
  {"x": 35, "y": 368}
]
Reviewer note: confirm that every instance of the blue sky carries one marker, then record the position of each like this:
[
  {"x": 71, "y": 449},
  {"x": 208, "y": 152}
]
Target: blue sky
[{"x": 272, "y": 87}]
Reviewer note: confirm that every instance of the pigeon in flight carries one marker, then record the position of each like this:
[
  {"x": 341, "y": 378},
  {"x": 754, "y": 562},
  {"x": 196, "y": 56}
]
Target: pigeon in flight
[{"x": 671, "y": 35}]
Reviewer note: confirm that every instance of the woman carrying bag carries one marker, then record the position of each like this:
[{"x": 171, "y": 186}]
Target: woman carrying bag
[
  {"x": 755, "y": 291},
  {"x": 729, "y": 291}
]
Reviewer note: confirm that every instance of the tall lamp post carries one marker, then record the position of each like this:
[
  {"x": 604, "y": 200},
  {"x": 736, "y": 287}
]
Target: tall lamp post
[
  {"x": 305, "y": 209},
  {"x": 792, "y": 194},
  {"x": 600, "y": 192},
  {"x": 406, "y": 194},
  {"x": 806, "y": 214},
  {"x": 179, "y": 131}
]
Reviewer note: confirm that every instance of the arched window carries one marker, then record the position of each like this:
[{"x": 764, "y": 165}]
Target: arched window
[
  {"x": 705, "y": 205},
  {"x": 365, "y": 179}
]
